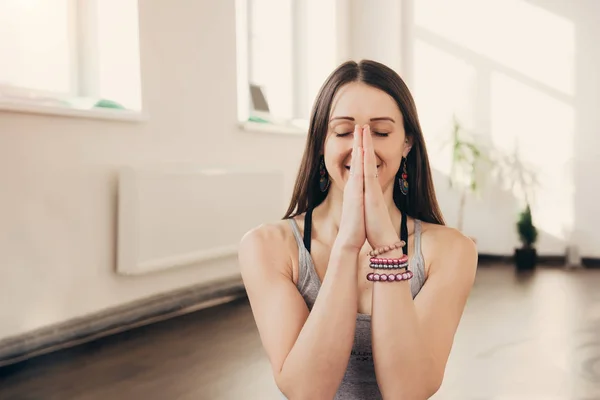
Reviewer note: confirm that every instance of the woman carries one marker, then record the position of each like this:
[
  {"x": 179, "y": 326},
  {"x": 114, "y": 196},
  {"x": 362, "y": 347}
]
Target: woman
[{"x": 341, "y": 315}]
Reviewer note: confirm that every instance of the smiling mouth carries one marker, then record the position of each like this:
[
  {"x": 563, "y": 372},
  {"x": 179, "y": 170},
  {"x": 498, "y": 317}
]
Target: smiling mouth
[{"x": 348, "y": 167}]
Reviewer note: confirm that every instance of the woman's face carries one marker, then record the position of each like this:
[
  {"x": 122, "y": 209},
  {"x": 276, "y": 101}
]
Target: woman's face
[{"x": 359, "y": 103}]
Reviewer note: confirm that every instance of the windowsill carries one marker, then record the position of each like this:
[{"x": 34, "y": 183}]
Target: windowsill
[
  {"x": 63, "y": 111},
  {"x": 265, "y": 127}
]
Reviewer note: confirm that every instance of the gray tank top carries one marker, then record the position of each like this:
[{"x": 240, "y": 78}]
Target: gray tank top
[{"x": 359, "y": 381}]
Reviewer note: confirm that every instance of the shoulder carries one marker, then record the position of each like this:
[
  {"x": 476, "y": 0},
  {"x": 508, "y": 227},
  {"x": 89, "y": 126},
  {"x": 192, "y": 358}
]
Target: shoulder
[
  {"x": 266, "y": 249},
  {"x": 448, "y": 247},
  {"x": 447, "y": 237},
  {"x": 264, "y": 233}
]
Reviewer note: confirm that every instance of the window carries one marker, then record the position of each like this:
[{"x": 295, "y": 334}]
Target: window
[
  {"x": 286, "y": 49},
  {"x": 30, "y": 32},
  {"x": 74, "y": 54}
]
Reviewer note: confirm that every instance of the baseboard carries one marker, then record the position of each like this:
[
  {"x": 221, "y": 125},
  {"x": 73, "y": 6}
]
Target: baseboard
[
  {"x": 546, "y": 260},
  {"x": 142, "y": 312}
]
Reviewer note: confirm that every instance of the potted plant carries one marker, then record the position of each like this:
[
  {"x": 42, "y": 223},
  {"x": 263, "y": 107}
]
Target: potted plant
[
  {"x": 520, "y": 178},
  {"x": 526, "y": 256},
  {"x": 467, "y": 156}
]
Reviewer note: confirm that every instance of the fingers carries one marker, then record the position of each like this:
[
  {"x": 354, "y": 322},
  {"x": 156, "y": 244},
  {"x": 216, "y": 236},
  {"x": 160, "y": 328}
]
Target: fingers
[
  {"x": 356, "y": 167},
  {"x": 357, "y": 151},
  {"x": 370, "y": 161},
  {"x": 358, "y": 138}
]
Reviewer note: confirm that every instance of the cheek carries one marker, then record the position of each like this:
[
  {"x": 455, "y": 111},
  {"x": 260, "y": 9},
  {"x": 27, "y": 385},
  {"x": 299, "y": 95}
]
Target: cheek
[
  {"x": 336, "y": 151},
  {"x": 391, "y": 159}
]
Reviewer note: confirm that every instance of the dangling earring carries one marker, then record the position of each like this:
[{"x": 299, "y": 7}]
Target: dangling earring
[
  {"x": 324, "y": 179},
  {"x": 403, "y": 180}
]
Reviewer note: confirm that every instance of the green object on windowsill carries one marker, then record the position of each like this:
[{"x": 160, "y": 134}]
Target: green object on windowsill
[
  {"x": 258, "y": 119},
  {"x": 104, "y": 103}
]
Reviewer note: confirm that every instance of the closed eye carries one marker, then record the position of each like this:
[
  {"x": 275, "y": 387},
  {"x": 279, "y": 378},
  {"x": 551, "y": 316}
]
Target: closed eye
[{"x": 380, "y": 134}]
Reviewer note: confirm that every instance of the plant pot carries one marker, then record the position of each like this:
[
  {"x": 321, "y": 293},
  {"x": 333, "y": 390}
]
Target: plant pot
[{"x": 525, "y": 259}]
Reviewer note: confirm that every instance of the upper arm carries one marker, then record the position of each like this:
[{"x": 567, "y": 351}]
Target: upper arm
[
  {"x": 278, "y": 308},
  {"x": 442, "y": 299}
]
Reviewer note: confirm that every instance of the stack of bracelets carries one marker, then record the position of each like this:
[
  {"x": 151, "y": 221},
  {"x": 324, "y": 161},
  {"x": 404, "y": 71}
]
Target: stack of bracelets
[{"x": 391, "y": 265}]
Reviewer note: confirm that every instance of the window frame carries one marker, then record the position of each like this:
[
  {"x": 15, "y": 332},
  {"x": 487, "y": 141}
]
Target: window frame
[
  {"x": 83, "y": 59},
  {"x": 244, "y": 63}
]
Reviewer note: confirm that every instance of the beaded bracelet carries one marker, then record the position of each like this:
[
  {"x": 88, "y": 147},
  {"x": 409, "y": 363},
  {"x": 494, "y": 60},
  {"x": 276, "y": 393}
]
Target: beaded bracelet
[
  {"x": 389, "y": 277},
  {"x": 389, "y": 263},
  {"x": 385, "y": 249},
  {"x": 389, "y": 267}
]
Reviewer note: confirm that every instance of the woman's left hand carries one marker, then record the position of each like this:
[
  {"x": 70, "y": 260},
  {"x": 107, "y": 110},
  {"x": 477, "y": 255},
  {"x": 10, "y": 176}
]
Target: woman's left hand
[{"x": 378, "y": 225}]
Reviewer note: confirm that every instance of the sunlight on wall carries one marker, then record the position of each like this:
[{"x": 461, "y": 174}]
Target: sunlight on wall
[
  {"x": 445, "y": 84},
  {"x": 544, "y": 128},
  {"x": 508, "y": 75},
  {"x": 513, "y": 33}
]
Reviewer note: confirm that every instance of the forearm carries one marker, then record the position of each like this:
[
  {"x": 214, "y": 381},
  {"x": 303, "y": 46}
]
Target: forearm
[
  {"x": 403, "y": 362},
  {"x": 316, "y": 364}
]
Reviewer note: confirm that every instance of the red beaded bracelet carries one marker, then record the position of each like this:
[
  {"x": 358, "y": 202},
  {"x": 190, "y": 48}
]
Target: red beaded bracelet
[
  {"x": 389, "y": 277},
  {"x": 389, "y": 261}
]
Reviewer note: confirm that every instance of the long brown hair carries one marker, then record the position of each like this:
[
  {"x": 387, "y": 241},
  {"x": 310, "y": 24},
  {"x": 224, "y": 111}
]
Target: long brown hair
[{"x": 420, "y": 202}]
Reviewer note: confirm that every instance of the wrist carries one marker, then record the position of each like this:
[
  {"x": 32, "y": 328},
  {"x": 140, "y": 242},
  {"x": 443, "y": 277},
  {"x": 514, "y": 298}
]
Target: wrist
[
  {"x": 341, "y": 246},
  {"x": 387, "y": 238},
  {"x": 344, "y": 258}
]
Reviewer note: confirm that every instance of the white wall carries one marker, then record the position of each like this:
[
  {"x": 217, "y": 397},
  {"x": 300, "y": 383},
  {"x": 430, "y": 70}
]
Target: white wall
[
  {"x": 376, "y": 31},
  {"x": 58, "y": 175}
]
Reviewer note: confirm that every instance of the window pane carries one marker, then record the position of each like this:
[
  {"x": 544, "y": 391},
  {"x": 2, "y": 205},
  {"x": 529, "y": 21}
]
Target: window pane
[
  {"x": 118, "y": 54},
  {"x": 35, "y": 50},
  {"x": 271, "y": 53}
]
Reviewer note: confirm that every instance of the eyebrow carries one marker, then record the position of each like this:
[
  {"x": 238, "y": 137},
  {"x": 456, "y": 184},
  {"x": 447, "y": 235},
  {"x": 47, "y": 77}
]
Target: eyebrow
[{"x": 372, "y": 119}]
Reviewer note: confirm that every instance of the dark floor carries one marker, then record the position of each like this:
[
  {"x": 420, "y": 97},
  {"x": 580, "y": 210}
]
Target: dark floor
[{"x": 521, "y": 338}]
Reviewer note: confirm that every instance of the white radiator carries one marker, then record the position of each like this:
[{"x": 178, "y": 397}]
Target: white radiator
[{"x": 173, "y": 216}]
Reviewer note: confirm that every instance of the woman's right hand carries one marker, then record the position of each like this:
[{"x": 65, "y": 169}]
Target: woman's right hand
[{"x": 352, "y": 232}]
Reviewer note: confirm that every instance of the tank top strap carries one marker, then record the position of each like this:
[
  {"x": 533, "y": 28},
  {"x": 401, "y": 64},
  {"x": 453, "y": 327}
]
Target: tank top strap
[
  {"x": 417, "y": 248},
  {"x": 419, "y": 261},
  {"x": 297, "y": 234},
  {"x": 306, "y": 274}
]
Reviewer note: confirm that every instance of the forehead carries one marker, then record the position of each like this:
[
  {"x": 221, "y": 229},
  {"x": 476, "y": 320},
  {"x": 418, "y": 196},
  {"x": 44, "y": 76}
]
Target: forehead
[{"x": 357, "y": 99}]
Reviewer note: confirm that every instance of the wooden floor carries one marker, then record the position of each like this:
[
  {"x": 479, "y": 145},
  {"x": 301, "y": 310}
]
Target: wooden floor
[{"x": 533, "y": 337}]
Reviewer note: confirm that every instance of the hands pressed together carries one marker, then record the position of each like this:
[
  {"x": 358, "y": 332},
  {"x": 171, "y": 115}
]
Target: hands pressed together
[{"x": 365, "y": 215}]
